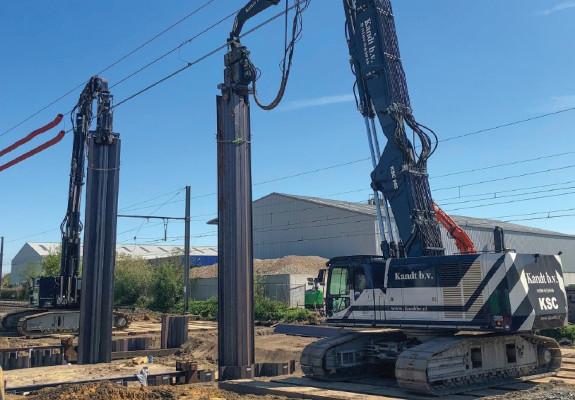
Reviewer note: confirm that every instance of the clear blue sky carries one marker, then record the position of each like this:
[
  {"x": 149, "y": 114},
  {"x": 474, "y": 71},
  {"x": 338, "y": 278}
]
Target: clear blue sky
[{"x": 469, "y": 64}]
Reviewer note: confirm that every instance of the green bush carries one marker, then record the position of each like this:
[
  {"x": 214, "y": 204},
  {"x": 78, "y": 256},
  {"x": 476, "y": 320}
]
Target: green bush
[
  {"x": 297, "y": 315},
  {"x": 268, "y": 310},
  {"x": 265, "y": 310},
  {"x": 51, "y": 265},
  {"x": 133, "y": 282},
  {"x": 206, "y": 310},
  {"x": 566, "y": 332},
  {"x": 168, "y": 288}
]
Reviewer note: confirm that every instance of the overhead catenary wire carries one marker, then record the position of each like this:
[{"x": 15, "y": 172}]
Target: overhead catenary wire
[
  {"x": 477, "y": 132},
  {"x": 505, "y": 164},
  {"x": 565, "y": 167},
  {"x": 205, "y": 56},
  {"x": 547, "y": 190},
  {"x": 508, "y": 124},
  {"x": 496, "y": 193},
  {"x": 113, "y": 64},
  {"x": 511, "y": 201}
]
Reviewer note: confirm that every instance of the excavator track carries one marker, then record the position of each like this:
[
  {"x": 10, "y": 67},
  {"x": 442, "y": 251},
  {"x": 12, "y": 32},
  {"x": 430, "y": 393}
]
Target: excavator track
[
  {"x": 437, "y": 366},
  {"x": 444, "y": 365},
  {"x": 347, "y": 355},
  {"x": 42, "y": 322},
  {"x": 10, "y": 320}
]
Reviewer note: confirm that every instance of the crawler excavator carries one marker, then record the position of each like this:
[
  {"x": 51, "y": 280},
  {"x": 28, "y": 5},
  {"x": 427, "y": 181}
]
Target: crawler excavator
[
  {"x": 442, "y": 322},
  {"x": 463, "y": 320},
  {"x": 55, "y": 301}
]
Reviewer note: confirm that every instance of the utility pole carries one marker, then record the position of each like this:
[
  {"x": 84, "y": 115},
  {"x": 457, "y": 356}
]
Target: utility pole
[
  {"x": 187, "y": 236},
  {"x": 1, "y": 258},
  {"x": 187, "y": 253}
]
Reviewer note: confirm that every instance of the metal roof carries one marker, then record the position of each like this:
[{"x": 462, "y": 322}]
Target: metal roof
[
  {"x": 134, "y": 250},
  {"x": 463, "y": 221}
]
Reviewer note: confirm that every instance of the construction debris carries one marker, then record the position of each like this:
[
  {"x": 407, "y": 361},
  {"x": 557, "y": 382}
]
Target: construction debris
[{"x": 103, "y": 391}]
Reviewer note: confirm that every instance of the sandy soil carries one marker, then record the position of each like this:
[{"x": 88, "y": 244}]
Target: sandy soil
[
  {"x": 306, "y": 265},
  {"x": 201, "y": 347},
  {"x": 547, "y": 391},
  {"x": 109, "y": 391}
]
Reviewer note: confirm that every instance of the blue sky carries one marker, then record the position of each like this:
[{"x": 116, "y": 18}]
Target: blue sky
[{"x": 470, "y": 65}]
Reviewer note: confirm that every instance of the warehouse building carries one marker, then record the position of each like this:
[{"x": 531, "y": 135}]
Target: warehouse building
[
  {"x": 28, "y": 261},
  {"x": 298, "y": 225}
]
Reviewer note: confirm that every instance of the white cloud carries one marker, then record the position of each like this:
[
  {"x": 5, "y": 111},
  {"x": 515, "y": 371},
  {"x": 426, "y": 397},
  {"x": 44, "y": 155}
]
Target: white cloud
[
  {"x": 560, "y": 103},
  {"x": 559, "y": 7},
  {"x": 317, "y": 102}
]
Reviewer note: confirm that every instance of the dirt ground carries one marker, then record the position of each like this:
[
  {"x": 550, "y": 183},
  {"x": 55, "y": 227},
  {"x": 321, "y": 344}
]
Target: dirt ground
[
  {"x": 547, "y": 391},
  {"x": 202, "y": 347},
  {"x": 110, "y": 391},
  {"x": 305, "y": 265}
]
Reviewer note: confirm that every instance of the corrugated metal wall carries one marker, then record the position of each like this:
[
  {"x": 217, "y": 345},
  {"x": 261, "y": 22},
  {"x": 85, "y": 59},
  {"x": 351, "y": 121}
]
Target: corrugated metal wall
[
  {"x": 522, "y": 242},
  {"x": 286, "y": 226}
]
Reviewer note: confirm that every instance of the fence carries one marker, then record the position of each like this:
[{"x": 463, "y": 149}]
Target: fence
[{"x": 287, "y": 289}]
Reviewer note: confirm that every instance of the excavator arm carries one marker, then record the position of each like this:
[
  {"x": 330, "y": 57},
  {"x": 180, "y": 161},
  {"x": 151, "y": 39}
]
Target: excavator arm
[
  {"x": 400, "y": 171},
  {"x": 67, "y": 287},
  {"x": 250, "y": 10}
]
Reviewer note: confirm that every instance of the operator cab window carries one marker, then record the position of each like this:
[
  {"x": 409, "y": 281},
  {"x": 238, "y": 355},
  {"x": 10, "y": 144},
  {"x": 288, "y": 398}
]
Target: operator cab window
[
  {"x": 339, "y": 282},
  {"x": 359, "y": 282},
  {"x": 339, "y": 290}
]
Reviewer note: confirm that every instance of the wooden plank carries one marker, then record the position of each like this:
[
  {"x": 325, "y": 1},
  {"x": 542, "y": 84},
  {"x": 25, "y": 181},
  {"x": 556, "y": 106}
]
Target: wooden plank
[
  {"x": 566, "y": 374},
  {"x": 264, "y": 388},
  {"x": 72, "y": 373},
  {"x": 370, "y": 389},
  {"x": 568, "y": 360}
]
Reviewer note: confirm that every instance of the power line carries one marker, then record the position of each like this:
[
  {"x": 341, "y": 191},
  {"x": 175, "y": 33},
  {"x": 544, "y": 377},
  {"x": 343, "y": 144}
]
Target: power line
[
  {"x": 313, "y": 171},
  {"x": 496, "y": 193},
  {"x": 506, "y": 164},
  {"x": 508, "y": 124},
  {"x": 33, "y": 235},
  {"x": 129, "y": 207},
  {"x": 512, "y": 201},
  {"x": 506, "y": 178},
  {"x": 156, "y": 210},
  {"x": 174, "y": 49},
  {"x": 504, "y": 196},
  {"x": 113, "y": 64},
  {"x": 281, "y": 178},
  {"x": 541, "y": 218},
  {"x": 534, "y": 213},
  {"x": 205, "y": 56}
]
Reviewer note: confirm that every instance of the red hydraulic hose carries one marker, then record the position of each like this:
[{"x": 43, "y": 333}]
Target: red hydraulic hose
[
  {"x": 34, "y": 151},
  {"x": 32, "y": 135},
  {"x": 462, "y": 240}
]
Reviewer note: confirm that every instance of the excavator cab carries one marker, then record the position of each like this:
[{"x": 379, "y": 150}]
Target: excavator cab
[{"x": 351, "y": 289}]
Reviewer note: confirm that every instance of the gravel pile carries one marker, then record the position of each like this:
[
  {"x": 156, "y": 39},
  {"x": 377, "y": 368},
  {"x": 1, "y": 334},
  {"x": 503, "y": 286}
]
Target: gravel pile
[
  {"x": 304, "y": 265},
  {"x": 549, "y": 391},
  {"x": 103, "y": 391}
]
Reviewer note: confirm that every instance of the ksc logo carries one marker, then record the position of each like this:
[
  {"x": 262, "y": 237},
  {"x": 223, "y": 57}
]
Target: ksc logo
[{"x": 548, "y": 303}]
